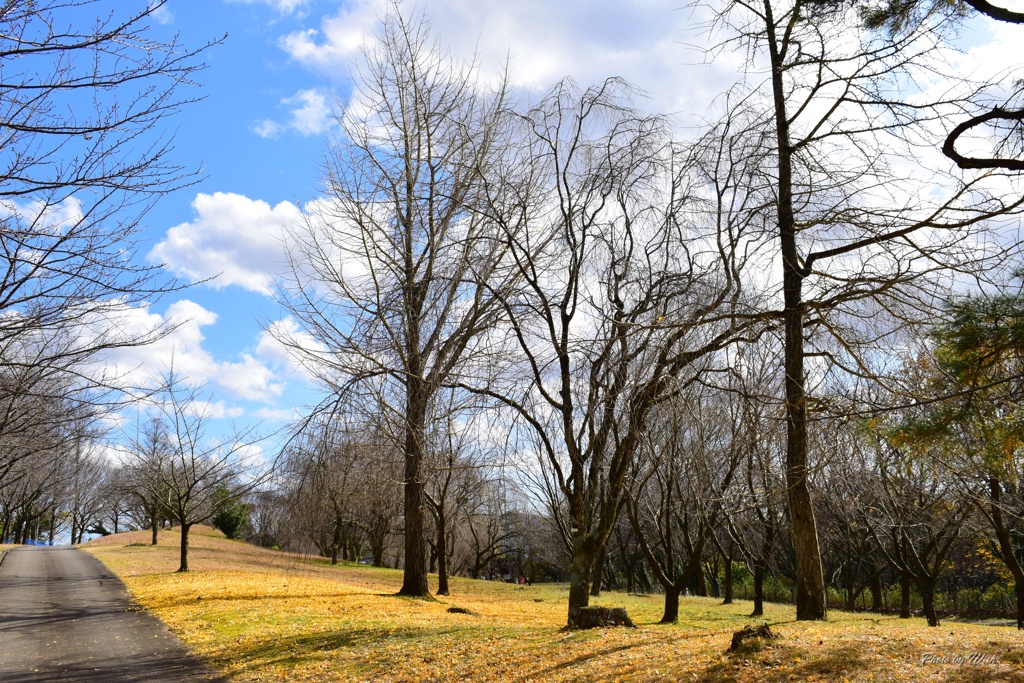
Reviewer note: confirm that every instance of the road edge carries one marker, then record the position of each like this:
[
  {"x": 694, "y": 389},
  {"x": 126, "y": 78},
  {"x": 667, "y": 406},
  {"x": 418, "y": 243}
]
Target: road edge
[{"x": 212, "y": 674}]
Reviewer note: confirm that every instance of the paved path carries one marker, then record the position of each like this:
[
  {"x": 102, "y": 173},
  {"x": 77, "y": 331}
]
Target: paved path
[{"x": 65, "y": 617}]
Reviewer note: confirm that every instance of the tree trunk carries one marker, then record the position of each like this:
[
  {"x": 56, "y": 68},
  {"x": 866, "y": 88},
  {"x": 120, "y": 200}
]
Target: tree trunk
[
  {"x": 579, "y": 576},
  {"x": 904, "y": 595},
  {"x": 1020, "y": 605},
  {"x": 758, "y": 590},
  {"x": 184, "y": 547},
  {"x": 876, "y": 591},
  {"x": 702, "y": 582},
  {"x": 671, "y": 614},
  {"x": 1006, "y": 546},
  {"x": 377, "y": 550},
  {"x": 810, "y": 580},
  {"x": 336, "y": 541},
  {"x": 155, "y": 528},
  {"x": 414, "y": 581},
  {"x": 928, "y": 601},
  {"x": 442, "y": 554},
  {"x": 598, "y": 576},
  {"x": 728, "y": 579}
]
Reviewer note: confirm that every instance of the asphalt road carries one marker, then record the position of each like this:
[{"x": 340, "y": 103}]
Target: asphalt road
[{"x": 65, "y": 617}]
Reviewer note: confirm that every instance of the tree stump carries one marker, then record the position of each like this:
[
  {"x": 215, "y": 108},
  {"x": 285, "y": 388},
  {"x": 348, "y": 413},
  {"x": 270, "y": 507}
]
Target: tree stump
[
  {"x": 759, "y": 632},
  {"x": 600, "y": 617}
]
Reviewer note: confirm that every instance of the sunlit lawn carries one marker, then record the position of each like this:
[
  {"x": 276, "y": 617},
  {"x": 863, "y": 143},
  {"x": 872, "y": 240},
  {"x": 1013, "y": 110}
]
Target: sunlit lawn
[{"x": 259, "y": 615}]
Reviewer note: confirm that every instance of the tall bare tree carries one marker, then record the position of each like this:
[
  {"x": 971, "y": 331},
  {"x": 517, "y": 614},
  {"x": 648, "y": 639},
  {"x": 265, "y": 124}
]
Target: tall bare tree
[
  {"x": 627, "y": 285},
  {"x": 388, "y": 278},
  {"x": 863, "y": 238}
]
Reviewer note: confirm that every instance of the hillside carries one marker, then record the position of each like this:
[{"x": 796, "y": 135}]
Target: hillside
[{"x": 261, "y": 615}]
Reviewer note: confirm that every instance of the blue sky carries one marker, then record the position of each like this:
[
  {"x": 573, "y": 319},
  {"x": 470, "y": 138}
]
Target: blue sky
[{"x": 259, "y": 135}]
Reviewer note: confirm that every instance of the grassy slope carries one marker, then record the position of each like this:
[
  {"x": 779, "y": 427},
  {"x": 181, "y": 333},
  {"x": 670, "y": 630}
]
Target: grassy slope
[{"x": 260, "y": 615}]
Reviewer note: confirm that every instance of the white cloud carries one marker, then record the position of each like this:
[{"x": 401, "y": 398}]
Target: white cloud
[
  {"x": 248, "y": 455},
  {"x": 45, "y": 218},
  {"x": 313, "y": 115},
  {"x": 234, "y": 239},
  {"x": 310, "y": 114},
  {"x": 183, "y": 351},
  {"x": 587, "y": 39},
  {"x": 277, "y": 414},
  {"x": 162, "y": 14},
  {"x": 249, "y": 379},
  {"x": 268, "y": 129},
  {"x": 282, "y": 6},
  {"x": 214, "y": 410},
  {"x": 277, "y": 344},
  {"x": 303, "y": 47}
]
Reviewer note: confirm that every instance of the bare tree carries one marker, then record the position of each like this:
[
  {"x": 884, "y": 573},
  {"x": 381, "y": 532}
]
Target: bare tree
[
  {"x": 628, "y": 283},
  {"x": 916, "y": 520},
  {"x": 199, "y": 472},
  {"x": 863, "y": 244},
  {"x": 755, "y": 515},
  {"x": 455, "y": 478},
  {"x": 83, "y": 477},
  {"x": 680, "y": 487},
  {"x": 146, "y": 457},
  {"x": 86, "y": 90},
  {"x": 490, "y": 524},
  {"x": 387, "y": 280},
  {"x": 1001, "y": 123},
  {"x": 848, "y": 488},
  {"x": 83, "y": 158},
  {"x": 323, "y": 462},
  {"x": 48, "y": 461}
]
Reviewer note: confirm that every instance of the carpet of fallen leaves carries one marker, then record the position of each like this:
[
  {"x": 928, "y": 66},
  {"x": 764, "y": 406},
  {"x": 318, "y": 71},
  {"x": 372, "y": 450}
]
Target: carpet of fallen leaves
[{"x": 260, "y": 615}]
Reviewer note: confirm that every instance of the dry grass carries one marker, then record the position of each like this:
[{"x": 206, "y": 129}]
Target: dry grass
[{"x": 259, "y": 615}]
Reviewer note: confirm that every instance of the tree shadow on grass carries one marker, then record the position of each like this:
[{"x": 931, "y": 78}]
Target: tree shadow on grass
[
  {"x": 593, "y": 654},
  {"x": 194, "y": 597},
  {"x": 293, "y": 651},
  {"x": 410, "y": 598},
  {"x": 778, "y": 663}
]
